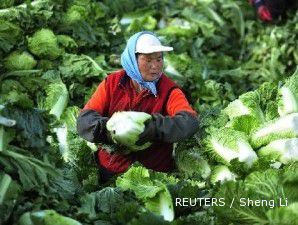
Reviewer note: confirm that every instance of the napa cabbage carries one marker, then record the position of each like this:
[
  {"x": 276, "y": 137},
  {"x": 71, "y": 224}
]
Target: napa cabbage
[
  {"x": 226, "y": 144},
  {"x": 264, "y": 185},
  {"x": 268, "y": 92},
  {"x": 192, "y": 163},
  {"x": 244, "y": 123},
  {"x": 162, "y": 205},
  {"x": 9, "y": 193},
  {"x": 222, "y": 174},
  {"x": 288, "y": 96},
  {"x": 68, "y": 142},
  {"x": 280, "y": 128},
  {"x": 245, "y": 113},
  {"x": 67, "y": 42},
  {"x": 78, "y": 68},
  {"x": 18, "y": 60},
  {"x": 75, "y": 14},
  {"x": 284, "y": 150},
  {"x": 56, "y": 99},
  {"x": 44, "y": 44},
  {"x": 283, "y": 215},
  {"x": 9, "y": 188},
  {"x": 152, "y": 190},
  {"x": 246, "y": 104},
  {"x": 46, "y": 217},
  {"x": 125, "y": 128}
]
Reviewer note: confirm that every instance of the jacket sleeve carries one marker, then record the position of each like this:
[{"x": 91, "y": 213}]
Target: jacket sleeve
[
  {"x": 91, "y": 124},
  {"x": 181, "y": 123},
  {"x": 99, "y": 101},
  {"x": 169, "y": 129},
  {"x": 177, "y": 102}
]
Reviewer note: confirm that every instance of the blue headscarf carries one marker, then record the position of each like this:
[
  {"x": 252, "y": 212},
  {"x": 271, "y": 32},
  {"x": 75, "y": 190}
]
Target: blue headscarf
[{"x": 130, "y": 64}]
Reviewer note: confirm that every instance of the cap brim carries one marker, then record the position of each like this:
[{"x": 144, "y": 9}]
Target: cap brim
[{"x": 153, "y": 49}]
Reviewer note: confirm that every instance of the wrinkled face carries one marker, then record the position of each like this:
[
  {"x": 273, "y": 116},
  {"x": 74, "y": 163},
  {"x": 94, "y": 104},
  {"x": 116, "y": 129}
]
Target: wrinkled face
[{"x": 150, "y": 65}]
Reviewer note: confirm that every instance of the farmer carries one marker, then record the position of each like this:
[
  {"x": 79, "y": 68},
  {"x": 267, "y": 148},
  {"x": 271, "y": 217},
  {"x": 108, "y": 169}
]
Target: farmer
[
  {"x": 270, "y": 10},
  {"x": 140, "y": 86}
]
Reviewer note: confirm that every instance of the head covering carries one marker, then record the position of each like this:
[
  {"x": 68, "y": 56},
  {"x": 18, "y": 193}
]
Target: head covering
[
  {"x": 129, "y": 61},
  {"x": 148, "y": 43}
]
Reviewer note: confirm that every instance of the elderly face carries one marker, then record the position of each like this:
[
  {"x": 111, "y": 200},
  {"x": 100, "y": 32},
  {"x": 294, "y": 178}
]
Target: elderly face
[{"x": 150, "y": 65}]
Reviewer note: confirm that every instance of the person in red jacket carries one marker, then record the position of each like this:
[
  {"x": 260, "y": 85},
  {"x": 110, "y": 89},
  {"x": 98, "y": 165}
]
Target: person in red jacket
[
  {"x": 270, "y": 10},
  {"x": 140, "y": 86}
]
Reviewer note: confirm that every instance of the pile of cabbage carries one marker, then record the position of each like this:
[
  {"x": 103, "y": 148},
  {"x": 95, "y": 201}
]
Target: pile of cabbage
[{"x": 260, "y": 126}]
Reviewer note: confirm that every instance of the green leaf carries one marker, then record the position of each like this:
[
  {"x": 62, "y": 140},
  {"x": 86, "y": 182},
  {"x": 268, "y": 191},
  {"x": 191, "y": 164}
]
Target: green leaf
[
  {"x": 284, "y": 215},
  {"x": 80, "y": 67},
  {"x": 30, "y": 126},
  {"x": 162, "y": 204},
  {"x": 57, "y": 98},
  {"x": 138, "y": 180},
  {"x": 279, "y": 128},
  {"x": 32, "y": 172},
  {"x": 148, "y": 218},
  {"x": 10, "y": 34},
  {"x": 46, "y": 217},
  {"x": 9, "y": 192},
  {"x": 106, "y": 200},
  {"x": 44, "y": 44}
]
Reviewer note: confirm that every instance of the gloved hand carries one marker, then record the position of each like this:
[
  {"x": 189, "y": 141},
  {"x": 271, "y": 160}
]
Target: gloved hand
[{"x": 169, "y": 129}]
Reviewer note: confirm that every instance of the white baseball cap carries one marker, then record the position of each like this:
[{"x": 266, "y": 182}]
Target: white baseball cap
[{"x": 148, "y": 43}]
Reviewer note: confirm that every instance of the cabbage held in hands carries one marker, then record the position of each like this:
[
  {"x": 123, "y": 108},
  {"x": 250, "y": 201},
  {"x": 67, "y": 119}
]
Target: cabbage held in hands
[{"x": 125, "y": 128}]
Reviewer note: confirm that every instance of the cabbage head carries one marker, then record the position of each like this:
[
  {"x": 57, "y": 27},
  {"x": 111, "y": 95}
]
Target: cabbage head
[
  {"x": 226, "y": 144},
  {"x": 280, "y": 128},
  {"x": 125, "y": 128},
  {"x": 18, "y": 60},
  {"x": 222, "y": 173},
  {"x": 74, "y": 14},
  {"x": 44, "y": 44},
  {"x": 288, "y": 96},
  {"x": 283, "y": 150}
]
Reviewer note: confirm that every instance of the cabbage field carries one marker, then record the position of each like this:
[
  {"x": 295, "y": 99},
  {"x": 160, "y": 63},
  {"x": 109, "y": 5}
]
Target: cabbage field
[{"x": 239, "y": 73}]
